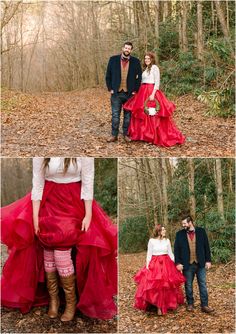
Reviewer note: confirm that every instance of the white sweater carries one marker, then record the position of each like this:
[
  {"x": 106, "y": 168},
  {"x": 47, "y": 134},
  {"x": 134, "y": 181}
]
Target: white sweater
[
  {"x": 158, "y": 247},
  {"x": 84, "y": 172},
  {"x": 153, "y": 77}
]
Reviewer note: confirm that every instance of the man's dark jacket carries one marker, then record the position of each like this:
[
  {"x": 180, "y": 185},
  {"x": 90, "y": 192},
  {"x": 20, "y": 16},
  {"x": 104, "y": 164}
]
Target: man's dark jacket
[
  {"x": 182, "y": 252},
  {"x": 113, "y": 74}
]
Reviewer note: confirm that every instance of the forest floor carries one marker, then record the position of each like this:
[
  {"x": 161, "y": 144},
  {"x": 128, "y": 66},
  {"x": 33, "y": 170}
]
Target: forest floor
[
  {"x": 220, "y": 283},
  {"x": 78, "y": 123},
  {"x": 37, "y": 321}
]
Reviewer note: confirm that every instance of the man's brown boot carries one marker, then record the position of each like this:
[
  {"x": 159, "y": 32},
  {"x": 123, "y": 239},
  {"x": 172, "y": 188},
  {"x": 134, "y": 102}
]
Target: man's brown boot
[
  {"x": 190, "y": 308},
  {"x": 112, "y": 139},
  {"x": 68, "y": 284},
  {"x": 54, "y": 302},
  {"x": 207, "y": 309},
  {"x": 127, "y": 139}
]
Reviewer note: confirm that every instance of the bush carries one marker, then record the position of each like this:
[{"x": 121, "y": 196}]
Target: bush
[
  {"x": 220, "y": 234},
  {"x": 105, "y": 185},
  {"x": 133, "y": 235}
]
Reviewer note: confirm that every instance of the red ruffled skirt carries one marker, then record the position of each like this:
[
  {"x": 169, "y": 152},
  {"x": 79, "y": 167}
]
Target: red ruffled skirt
[
  {"x": 160, "y": 285},
  {"x": 60, "y": 219},
  {"x": 159, "y": 129}
]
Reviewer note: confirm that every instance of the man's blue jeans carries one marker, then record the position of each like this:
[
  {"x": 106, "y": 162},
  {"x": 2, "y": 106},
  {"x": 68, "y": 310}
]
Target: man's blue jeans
[
  {"x": 189, "y": 274},
  {"x": 117, "y": 102}
]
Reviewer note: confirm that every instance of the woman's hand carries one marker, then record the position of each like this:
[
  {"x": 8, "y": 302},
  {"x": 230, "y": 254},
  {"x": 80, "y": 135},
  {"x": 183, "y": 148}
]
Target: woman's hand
[
  {"x": 36, "y": 225},
  {"x": 86, "y": 223},
  {"x": 151, "y": 97}
]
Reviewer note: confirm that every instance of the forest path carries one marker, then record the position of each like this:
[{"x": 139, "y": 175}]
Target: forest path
[
  {"x": 220, "y": 283},
  {"x": 78, "y": 123}
]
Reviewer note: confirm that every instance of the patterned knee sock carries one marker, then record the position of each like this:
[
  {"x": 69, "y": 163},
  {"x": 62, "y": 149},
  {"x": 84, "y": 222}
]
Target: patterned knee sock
[
  {"x": 64, "y": 262},
  {"x": 49, "y": 261}
]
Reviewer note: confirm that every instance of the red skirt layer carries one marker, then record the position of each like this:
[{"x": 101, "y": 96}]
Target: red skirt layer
[
  {"x": 160, "y": 285},
  {"x": 159, "y": 129},
  {"x": 60, "y": 219}
]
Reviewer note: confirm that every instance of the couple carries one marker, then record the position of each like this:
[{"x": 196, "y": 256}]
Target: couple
[
  {"x": 159, "y": 282},
  {"x": 147, "y": 111}
]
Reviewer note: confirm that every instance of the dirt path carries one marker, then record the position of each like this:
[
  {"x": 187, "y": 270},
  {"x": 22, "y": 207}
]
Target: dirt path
[
  {"x": 220, "y": 282},
  {"x": 77, "y": 123}
]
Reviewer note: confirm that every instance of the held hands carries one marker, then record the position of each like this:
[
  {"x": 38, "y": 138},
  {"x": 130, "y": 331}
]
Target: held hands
[
  {"x": 180, "y": 267},
  {"x": 86, "y": 223},
  {"x": 112, "y": 91},
  {"x": 208, "y": 265}
]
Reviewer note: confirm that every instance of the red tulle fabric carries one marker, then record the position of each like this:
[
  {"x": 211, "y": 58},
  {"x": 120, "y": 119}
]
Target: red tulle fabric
[
  {"x": 60, "y": 220},
  {"x": 159, "y": 129},
  {"x": 160, "y": 285}
]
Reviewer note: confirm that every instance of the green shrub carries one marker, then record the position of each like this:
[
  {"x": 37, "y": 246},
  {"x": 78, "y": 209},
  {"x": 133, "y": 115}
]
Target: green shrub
[{"x": 133, "y": 235}]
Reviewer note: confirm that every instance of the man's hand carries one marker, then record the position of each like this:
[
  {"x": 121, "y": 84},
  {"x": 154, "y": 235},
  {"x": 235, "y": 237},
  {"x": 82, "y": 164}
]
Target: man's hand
[
  {"x": 112, "y": 91},
  {"x": 133, "y": 93},
  {"x": 208, "y": 265},
  {"x": 180, "y": 267}
]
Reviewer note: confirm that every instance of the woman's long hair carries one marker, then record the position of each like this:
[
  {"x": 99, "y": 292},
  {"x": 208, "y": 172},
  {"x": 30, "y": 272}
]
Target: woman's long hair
[
  {"x": 153, "y": 61},
  {"x": 67, "y": 162},
  {"x": 157, "y": 231}
]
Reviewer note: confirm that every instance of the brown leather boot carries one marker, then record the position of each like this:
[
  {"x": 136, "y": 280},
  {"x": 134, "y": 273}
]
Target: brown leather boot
[
  {"x": 207, "y": 309},
  {"x": 190, "y": 308},
  {"x": 127, "y": 139},
  {"x": 112, "y": 139},
  {"x": 54, "y": 302},
  {"x": 68, "y": 284}
]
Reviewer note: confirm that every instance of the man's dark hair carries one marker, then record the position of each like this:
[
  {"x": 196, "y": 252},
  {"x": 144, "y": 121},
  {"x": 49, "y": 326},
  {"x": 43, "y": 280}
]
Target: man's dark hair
[
  {"x": 188, "y": 217},
  {"x": 128, "y": 43}
]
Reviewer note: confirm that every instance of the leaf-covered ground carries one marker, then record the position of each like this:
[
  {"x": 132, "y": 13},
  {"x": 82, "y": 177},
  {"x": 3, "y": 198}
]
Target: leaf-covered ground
[
  {"x": 78, "y": 123},
  {"x": 37, "y": 321},
  {"x": 220, "y": 282}
]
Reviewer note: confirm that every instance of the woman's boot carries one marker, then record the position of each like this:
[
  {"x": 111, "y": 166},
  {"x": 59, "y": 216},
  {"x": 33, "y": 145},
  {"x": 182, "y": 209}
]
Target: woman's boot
[
  {"x": 54, "y": 302},
  {"x": 68, "y": 284}
]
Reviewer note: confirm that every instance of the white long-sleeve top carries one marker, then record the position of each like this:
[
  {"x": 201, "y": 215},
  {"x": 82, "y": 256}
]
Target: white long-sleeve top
[
  {"x": 152, "y": 77},
  {"x": 158, "y": 247},
  {"x": 83, "y": 171}
]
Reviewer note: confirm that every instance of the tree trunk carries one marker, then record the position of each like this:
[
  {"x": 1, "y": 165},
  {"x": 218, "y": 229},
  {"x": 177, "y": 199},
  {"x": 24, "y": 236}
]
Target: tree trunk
[
  {"x": 219, "y": 188},
  {"x": 199, "y": 31},
  {"x": 157, "y": 17},
  {"x": 221, "y": 17},
  {"x": 164, "y": 193},
  {"x": 192, "y": 200},
  {"x": 184, "y": 25}
]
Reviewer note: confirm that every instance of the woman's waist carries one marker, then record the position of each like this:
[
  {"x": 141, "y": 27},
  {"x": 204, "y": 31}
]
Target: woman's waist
[
  {"x": 148, "y": 83},
  {"x": 62, "y": 181},
  {"x": 160, "y": 254}
]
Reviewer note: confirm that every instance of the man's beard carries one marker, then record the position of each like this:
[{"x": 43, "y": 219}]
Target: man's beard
[
  {"x": 126, "y": 54},
  {"x": 186, "y": 228}
]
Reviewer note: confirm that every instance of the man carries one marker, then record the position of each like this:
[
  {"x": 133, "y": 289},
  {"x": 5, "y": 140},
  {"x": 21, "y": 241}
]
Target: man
[
  {"x": 192, "y": 255},
  {"x": 123, "y": 79}
]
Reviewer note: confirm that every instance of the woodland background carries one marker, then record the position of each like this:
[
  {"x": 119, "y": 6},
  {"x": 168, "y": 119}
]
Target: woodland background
[
  {"x": 54, "y": 58},
  {"x": 16, "y": 181},
  {"x": 65, "y": 45},
  {"x": 155, "y": 191},
  {"x": 159, "y": 191}
]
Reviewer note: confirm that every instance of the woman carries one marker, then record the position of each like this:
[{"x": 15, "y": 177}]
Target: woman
[
  {"x": 40, "y": 231},
  {"x": 159, "y": 282},
  {"x": 158, "y": 129}
]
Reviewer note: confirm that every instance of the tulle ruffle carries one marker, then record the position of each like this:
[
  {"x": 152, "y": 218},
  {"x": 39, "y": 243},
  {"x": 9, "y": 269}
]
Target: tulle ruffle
[
  {"x": 60, "y": 219},
  {"x": 160, "y": 285}
]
